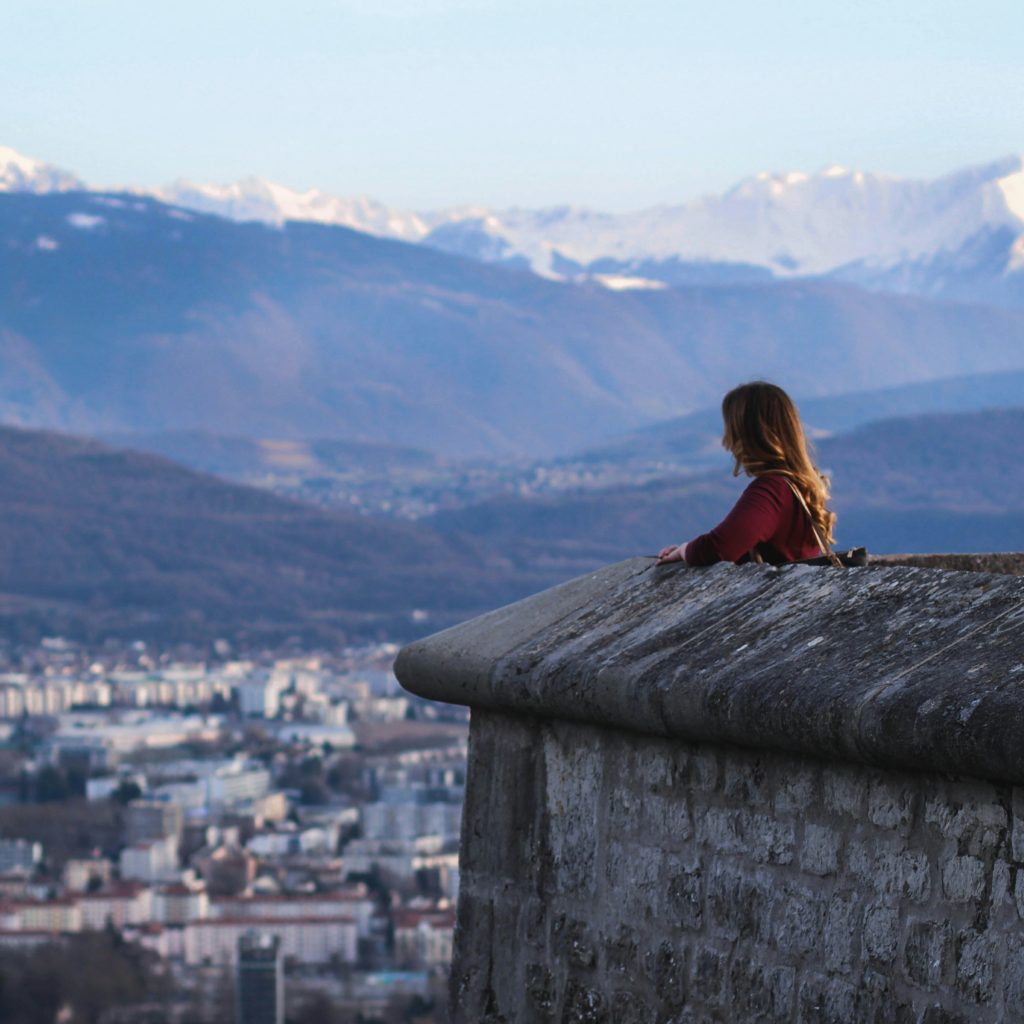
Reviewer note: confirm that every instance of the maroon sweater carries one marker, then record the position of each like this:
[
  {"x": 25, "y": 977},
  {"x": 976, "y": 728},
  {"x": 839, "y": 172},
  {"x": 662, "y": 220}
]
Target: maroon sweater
[{"x": 767, "y": 513}]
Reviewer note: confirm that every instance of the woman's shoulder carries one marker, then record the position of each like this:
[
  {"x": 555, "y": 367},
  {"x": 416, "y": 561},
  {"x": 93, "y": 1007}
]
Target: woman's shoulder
[{"x": 775, "y": 483}]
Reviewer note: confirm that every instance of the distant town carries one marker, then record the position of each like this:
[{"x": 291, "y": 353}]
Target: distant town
[{"x": 163, "y": 816}]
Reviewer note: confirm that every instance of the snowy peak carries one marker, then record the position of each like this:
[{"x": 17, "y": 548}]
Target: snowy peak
[
  {"x": 875, "y": 230},
  {"x": 261, "y": 200},
  {"x": 23, "y": 174},
  {"x": 791, "y": 224}
]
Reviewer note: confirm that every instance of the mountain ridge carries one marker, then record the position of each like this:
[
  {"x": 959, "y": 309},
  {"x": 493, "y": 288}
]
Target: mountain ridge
[
  {"x": 119, "y": 313},
  {"x": 958, "y": 236}
]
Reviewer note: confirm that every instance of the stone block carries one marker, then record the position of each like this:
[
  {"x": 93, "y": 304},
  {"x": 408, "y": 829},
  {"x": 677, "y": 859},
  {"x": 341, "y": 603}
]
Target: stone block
[
  {"x": 963, "y": 879},
  {"x": 1017, "y": 843},
  {"x": 1000, "y": 884},
  {"x": 819, "y": 854},
  {"x": 771, "y": 841},
  {"x": 926, "y": 953},
  {"x": 723, "y": 830},
  {"x": 685, "y": 897},
  {"x": 915, "y": 875},
  {"x": 891, "y": 805},
  {"x": 666, "y": 968},
  {"x": 1013, "y": 981},
  {"x": 846, "y": 790},
  {"x": 977, "y": 963},
  {"x": 634, "y": 872},
  {"x": 541, "y": 991},
  {"x": 745, "y": 781},
  {"x": 898, "y": 872},
  {"x": 972, "y": 815},
  {"x": 622, "y": 951},
  {"x": 629, "y": 1008},
  {"x": 739, "y": 905},
  {"x": 881, "y": 932},
  {"x": 573, "y": 942},
  {"x": 573, "y": 774},
  {"x": 800, "y": 917},
  {"x": 704, "y": 770},
  {"x": 797, "y": 790},
  {"x": 668, "y": 816},
  {"x": 707, "y": 976},
  {"x": 759, "y": 992},
  {"x": 940, "y": 1015},
  {"x": 824, "y": 1000},
  {"x": 840, "y": 938},
  {"x": 583, "y": 1005}
]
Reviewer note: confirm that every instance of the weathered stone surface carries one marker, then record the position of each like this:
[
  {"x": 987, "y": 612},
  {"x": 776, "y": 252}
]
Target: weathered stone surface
[
  {"x": 741, "y": 795},
  {"x": 679, "y": 924},
  {"x": 892, "y": 666}
]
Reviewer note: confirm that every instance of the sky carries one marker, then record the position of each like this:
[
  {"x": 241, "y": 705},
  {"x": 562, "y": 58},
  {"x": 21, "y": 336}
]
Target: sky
[{"x": 427, "y": 103}]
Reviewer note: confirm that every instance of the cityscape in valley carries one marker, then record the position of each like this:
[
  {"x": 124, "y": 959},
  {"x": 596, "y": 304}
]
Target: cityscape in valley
[{"x": 157, "y": 812}]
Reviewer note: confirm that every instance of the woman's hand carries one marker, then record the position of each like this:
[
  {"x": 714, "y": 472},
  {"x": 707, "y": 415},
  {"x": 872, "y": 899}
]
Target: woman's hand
[{"x": 673, "y": 553}]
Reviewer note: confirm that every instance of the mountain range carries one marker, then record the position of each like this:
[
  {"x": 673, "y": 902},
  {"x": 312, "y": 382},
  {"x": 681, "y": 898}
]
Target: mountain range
[
  {"x": 120, "y": 313},
  {"x": 931, "y": 483},
  {"x": 960, "y": 236},
  {"x": 96, "y": 541}
]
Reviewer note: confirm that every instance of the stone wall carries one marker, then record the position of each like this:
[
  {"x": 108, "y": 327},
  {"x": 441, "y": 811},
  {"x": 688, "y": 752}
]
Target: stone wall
[
  {"x": 611, "y": 877},
  {"x": 741, "y": 795}
]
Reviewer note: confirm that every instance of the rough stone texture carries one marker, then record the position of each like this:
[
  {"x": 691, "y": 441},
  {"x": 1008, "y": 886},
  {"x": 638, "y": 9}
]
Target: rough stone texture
[
  {"x": 1009, "y": 562},
  {"x": 892, "y": 666},
  {"x": 739, "y": 795},
  {"x": 604, "y": 880}
]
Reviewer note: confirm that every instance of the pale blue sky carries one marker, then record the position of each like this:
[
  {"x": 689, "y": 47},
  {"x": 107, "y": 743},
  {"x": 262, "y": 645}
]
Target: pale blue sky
[{"x": 536, "y": 102}]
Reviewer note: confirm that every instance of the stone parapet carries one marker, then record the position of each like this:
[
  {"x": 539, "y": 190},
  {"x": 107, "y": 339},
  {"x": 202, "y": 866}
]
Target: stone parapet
[
  {"x": 892, "y": 666},
  {"x": 741, "y": 794}
]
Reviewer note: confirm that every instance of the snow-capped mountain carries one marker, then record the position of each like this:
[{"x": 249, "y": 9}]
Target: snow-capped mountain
[
  {"x": 256, "y": 198},
  {"x": 23, "y": 174},
  {"x": 789, "y": 224},
  {"x": 960, "y": 236}
]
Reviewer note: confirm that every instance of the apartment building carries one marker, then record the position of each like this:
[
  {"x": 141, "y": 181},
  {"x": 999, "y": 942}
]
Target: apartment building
[{"x": 306, "y": 940}]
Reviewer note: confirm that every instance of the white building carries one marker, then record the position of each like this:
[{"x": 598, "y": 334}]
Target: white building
[
  {"x": 400, "y": 858},
  {"x": 79, "y": 874},
  {"x": 424, "y": 939},
  {"x": 411, "y": 820},
  {"x": 124, "y": 905},
  {"x": 179, "y": 904},
  {"x": 260, "y": 698},
  {"x": 308, "y": 940},
  {"x": 19, "y": 853},
  {"x": 355, "y": 903},
  {"x": 151, "y": 861}
]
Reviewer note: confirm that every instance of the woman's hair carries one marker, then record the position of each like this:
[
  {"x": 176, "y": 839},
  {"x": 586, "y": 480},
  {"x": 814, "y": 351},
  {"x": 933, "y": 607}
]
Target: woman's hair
[{"x": 763, "y": 432}]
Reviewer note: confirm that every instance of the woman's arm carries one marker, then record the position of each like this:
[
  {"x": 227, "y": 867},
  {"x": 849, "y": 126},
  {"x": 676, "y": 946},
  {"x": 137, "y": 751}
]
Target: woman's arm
[{"x": 754, "y": 518}]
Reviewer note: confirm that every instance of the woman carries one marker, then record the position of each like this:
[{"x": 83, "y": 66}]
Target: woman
[{"x": 768, "y": 523}]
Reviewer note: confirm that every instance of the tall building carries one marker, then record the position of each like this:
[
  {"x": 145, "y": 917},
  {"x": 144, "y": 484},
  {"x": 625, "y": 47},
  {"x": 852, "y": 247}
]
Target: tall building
[
  {"x": 19, "y": 853},
  {"x": 152, "y": 819},
  {"x": 260, "y": 979}
]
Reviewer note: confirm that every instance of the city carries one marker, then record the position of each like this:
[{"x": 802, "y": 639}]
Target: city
[{"x": 193, "y": 809}]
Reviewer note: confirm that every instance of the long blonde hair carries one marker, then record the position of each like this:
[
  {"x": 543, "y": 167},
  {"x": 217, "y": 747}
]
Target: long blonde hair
[{"x": 764, "y": 435}]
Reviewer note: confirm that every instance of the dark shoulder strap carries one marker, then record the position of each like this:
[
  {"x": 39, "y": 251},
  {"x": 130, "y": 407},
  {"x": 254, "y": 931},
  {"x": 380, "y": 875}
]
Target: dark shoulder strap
[{"x": 823, "y": 545}]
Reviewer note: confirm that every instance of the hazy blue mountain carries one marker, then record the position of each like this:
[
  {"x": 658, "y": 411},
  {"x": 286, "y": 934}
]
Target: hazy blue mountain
[
  {"x": 944, "y": 482},
  {"x": 122, "y": 314},
  {"x": 693, "y": 441},
  {"x": 96, "y": 541}
]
